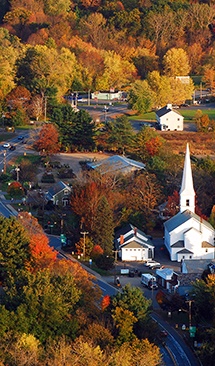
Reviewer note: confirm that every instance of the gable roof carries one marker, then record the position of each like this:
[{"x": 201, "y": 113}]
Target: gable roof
[
  {"x": 165, "y": 110},
  {"x": 56, "y": 189},
  {"x": 181, "y": 217},
  {"x": 116, "y": 163},
  {"x": 133, "y": 235}
]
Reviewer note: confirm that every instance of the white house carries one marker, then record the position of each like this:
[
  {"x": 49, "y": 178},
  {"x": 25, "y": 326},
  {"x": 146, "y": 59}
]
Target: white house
[
  {"x": 187, "y": 235},
  {"x": 133, "y": 244},
  {"x": 169, "y": 119}
]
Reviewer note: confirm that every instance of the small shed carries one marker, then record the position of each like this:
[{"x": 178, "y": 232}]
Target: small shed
[{"x": 167, "y": 278}]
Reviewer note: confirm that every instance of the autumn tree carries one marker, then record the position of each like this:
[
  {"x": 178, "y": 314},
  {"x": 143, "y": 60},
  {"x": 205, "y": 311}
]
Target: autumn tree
[
  {"x": 47, "y": 143},
  {"x": 141, "y": 97},
  {"x": 42, "y": 255},
  {"x": 131, "y": 299},
  {"x": 149, "y": 144},
  {"x": 176, "y": 62},
  {"x": 15, "y": 189}
]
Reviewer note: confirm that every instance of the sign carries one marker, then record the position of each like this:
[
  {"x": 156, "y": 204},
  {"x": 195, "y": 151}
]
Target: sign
[
  {"x": 63, "y": 239},
  {"x": 192, "y": 332}
]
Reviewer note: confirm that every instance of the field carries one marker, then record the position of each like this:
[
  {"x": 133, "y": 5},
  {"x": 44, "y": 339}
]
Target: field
[
  {"x": 188, "y": 114},
  {"x": 201, "y": 144}
]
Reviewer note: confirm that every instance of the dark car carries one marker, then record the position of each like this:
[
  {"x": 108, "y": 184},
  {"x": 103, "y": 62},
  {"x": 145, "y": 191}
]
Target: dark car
[
  {"x": 20, "y": 137},
  {"x": 12, "y": 148}
]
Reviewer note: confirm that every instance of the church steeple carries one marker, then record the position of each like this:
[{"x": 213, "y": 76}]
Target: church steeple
[{"x": 187, "y": 193}]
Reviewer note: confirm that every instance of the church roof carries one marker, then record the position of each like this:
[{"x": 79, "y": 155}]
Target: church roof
[
  {"x": 181, "y": 217},
  {"x": 178, "y": 244},
  {"x": 187, "y": 178},
  {"x": 184, "y": 251},
  {"x": 205, "y": 244}
]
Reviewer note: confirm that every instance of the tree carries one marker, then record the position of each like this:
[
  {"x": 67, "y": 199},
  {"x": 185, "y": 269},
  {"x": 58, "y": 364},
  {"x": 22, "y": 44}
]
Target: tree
[
  {"x": 14, "y": 251},
  {"x": 148, "y": 144},
  {"x": 15, "y": 189},
  {"x": 176, "y": 62},
  {"x": 132, "y": 299},
  {"x": 43, "y": 310},
  {"x": 103, "y": 231},
  {"x": 141, "y": 96},
  {"x": 120, "y": 135},
  {"x": 47, "y": 143},
  {"x": 124, "y": 321}
]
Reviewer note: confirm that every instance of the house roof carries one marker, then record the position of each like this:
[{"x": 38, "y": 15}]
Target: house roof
[
  {"x": 133, "y": 244},
  {"x": 56, "y": 189},
  {"x": 116, "y": 163},
  {"x": 165, "y": 273},
  {"x": 196, "y": 265},
  {"x": 181, "y": 217},
  {"x": 184, "y": 251},
  {"x": 165, "y": 110},
  {"x": 131, "y": 234}
]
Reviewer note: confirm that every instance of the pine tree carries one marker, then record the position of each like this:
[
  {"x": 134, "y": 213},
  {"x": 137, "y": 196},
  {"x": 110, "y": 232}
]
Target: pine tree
[{"x": 104, "y": 227}]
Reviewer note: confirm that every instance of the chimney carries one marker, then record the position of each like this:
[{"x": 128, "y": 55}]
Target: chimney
[
  {"x": 169, "y": 106},
  {"x": 121, "y": 239},
  {"x": 135, "y": 231}
]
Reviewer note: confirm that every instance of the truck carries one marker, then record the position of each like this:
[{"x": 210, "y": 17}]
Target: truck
[{"x": 149, "y": 281}]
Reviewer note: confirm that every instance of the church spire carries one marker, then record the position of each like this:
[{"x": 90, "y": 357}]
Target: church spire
[{"x": 187, "y": 193}]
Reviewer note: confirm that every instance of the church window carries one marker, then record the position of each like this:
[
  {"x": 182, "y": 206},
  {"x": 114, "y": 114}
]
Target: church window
[{"x": 187, "y": 202}]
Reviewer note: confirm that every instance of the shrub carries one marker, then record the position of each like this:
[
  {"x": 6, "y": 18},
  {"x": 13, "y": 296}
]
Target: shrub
[
  {"x": 48, "y": 178},
  {"x": 104, "y": 262}
]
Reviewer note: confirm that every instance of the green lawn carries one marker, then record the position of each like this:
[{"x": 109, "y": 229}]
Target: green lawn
[{"x": 188, "y": 114}]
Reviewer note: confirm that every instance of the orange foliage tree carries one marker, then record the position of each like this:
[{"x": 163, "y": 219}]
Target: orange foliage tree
[
  {"x": 15, "y": 189},
  {"x": 47, "y": 143},
  {"x": 42, "y": 255}
]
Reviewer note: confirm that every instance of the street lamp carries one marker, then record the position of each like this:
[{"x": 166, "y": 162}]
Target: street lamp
[
  {"x": 17, "y": 169},
  {"x": 5, "y": 161}
]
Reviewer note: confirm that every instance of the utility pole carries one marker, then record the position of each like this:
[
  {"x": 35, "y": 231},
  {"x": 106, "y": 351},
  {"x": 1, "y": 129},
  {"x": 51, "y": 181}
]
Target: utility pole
[
  {"x": 5, "y": 161},
  {"x": 190, "y": 311},
  {"x": 84, "y": 233}
]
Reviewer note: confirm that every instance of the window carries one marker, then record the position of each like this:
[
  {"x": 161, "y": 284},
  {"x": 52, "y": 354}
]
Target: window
[
  {"x": 206, "y": 250},
  {"x": 134, "y": 249},
  {"x": 178, "y": 119},
  {"x": 187, "y": 202},
  {"x": 190, "y": 257}
]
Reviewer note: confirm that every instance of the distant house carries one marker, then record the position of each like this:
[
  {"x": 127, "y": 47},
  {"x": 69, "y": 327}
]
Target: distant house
[
  {"x": 116, "y": 164},
  {"x": 59, "y": 194},
  {"x": 107, "y": 95},
  {"x": 169, "y": 119},
  {"x": 133, "y": 244}
]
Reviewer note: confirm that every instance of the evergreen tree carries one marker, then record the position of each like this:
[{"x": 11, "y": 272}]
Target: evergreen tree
[
  {"x": 14, "y": 251},
  {"x": 104, "y": 227}
]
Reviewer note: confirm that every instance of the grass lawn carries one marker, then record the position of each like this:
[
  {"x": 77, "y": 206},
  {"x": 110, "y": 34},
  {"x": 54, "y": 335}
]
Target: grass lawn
[
  {"x": 188, "y": 114},
  {"x": 34, "y": 159}
]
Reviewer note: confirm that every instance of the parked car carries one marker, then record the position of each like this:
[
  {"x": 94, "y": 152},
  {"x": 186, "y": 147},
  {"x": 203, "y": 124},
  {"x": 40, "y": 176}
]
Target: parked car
[
  {"x": 152, "y": 264},
  {"x": 6, "y": 145},
  {"x": 20, "y": 138},
  {"x": 12, "y": 148}
]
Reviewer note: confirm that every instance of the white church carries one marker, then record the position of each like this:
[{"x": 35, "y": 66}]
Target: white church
[{"x": 187, "y": 235}]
